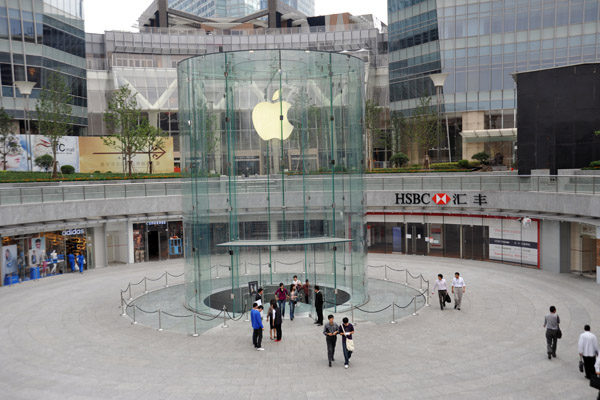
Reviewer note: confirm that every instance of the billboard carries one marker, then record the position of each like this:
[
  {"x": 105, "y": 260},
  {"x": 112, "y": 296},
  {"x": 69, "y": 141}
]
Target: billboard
[
  {"x": 94, "y": 156},
  {"x": 67, "y": 152},
  {"x": 511, "y": 242}
]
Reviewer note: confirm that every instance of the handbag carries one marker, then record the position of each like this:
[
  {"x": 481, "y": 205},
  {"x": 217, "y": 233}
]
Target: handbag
[
  {"x": 448, "y": 299},
  {"x": 349, "y": 342},
  {"x": 558, "y": 334},
  {"x": 580, "y": 365},
  {"x": 595, "y": 381}
]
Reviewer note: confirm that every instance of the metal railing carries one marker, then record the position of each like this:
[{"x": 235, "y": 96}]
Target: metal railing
[
  {"x": 128, "y": 297},
  {"x": 567, "y": 184}
]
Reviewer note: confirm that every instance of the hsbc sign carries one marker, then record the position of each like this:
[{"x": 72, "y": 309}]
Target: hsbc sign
[{"x": 440, "y": 199}]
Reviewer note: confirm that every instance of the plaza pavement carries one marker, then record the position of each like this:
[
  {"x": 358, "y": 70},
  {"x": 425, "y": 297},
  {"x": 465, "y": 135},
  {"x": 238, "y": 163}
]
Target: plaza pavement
[{"x": 64, "y": 338}]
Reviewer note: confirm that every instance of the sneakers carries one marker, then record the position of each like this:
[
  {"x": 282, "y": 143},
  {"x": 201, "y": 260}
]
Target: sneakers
[
  {"x": 260, "y": 349},
  {"x": 278, "y": 340},
  {"x": 346, "y": 366}
]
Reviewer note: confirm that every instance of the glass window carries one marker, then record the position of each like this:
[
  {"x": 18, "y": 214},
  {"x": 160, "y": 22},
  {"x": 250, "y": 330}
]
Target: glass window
[
  {"x": 509, "y": 22},
  {"x": 591, "y": 11},
  {"x": 535, "y": 19},
  {"x": 15, "y": 29},
  {"x": 548, "y": 18},
  {"x": 576, "y": 13},
  {"x": 3, "y": 28}
]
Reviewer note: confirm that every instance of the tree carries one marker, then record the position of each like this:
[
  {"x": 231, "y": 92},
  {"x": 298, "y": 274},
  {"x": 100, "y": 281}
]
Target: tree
[
  {"x": 398, "y": 130},
  {"x": 423, "y": 125},
  {"x": 482, "y": 157},
  {"x": 54, "y": 113},
  {"x": 372, "y": 116},
  {"x": 9, "y": 142},
  {"x": 123, "y": 119},
  {"x": 399, "y": 159},
  {"x": 152, "y": 139},
  {"x": 212, "y": 137},
  {"x": 44, "y": 162}
]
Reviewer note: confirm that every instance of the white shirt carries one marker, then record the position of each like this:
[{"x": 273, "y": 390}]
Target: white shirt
[
  {"x": 297, "y": 284},
  {"x": 440, "y": 285},
  {"x": 597, "y": 366},
  {"x": 588, "y": 344},
  {"x": 458, "y": 283}
]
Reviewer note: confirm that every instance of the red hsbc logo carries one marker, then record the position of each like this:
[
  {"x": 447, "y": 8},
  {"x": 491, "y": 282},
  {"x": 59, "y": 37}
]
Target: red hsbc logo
[{"x": 441, "y": 198}]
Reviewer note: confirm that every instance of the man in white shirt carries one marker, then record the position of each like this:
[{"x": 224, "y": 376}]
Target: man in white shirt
[
  {"x": 458, "y": 288},
  {"x": 588, "y": 349},
  {"x": 442, "y": 289},
  {"x": 597, "y": 367}
]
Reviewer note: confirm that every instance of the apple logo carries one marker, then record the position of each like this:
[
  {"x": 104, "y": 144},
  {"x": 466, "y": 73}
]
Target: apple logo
[{"x": 266, "y": 121}]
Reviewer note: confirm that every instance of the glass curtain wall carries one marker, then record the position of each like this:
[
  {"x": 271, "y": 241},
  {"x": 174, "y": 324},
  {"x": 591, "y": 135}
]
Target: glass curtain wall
[{"x": 304, "y": 111}]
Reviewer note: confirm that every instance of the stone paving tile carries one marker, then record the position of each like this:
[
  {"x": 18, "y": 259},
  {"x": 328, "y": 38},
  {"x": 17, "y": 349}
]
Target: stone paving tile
[{"x": 64, "y": 338}]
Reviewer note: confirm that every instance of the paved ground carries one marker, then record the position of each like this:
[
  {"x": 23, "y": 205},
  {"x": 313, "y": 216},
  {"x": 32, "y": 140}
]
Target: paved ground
[{"x": 64, "y": 338}]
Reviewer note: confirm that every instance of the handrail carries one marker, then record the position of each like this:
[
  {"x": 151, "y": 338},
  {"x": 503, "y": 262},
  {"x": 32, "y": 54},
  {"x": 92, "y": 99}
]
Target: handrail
[{"x": 570, "y": 184}]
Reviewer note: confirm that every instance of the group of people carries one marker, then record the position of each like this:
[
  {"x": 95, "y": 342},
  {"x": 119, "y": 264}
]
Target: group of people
[
  {"x": 589, "y": 352},
  {"x": 458, "y": 289}
]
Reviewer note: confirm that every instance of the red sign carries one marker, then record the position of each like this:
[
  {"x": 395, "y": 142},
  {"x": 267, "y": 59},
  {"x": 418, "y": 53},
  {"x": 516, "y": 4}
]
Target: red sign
[{"x": 441, "y": 198}]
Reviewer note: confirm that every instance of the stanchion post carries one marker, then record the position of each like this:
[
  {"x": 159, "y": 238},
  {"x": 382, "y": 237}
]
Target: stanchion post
[
  {"x": 123, "y": 313},
  {"x": 406, "y": 277},
  {"x": 421, "y": 282},
  {"x": 427, "y": 303},
  {"x": 145, "y": 285},
  {"x": 385, "y": 267},
  {"x": 134, "y": 322},
  {"x": 217, "y": 270},
  {"x": 415, "y": 301},
  {"x": 352, "y": 314},
  {"x": 245, "y": 267},
  {"x": 274, "y": 266},
  {"x": 166, "y": 279},
  {"x": 160, "y": 329},
  {"x": 195, "y": 334},
  {"x": 130, "y": 298},
  {"x": 224, "y": 317},
  {"x": 393, "y": 321}
]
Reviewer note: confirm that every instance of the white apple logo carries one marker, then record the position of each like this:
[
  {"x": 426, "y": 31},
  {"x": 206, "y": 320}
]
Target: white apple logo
[{"x": 266, "y": 121}]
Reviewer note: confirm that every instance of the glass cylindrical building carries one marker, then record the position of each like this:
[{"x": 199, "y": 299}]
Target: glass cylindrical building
[{"x": 272, "y": 150}]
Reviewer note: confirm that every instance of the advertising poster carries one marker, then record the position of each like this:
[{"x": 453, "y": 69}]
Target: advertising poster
[
  {"x": 436, "y": 240},
  {"x": 511, "y": 242},
  {"x": 37, "y": 251},
  {"x": 397, "y": 239},
  {"x": 10, "y": 263},
  {"x": 67, "y": 152},
  {"x": 94, "y": 156}
]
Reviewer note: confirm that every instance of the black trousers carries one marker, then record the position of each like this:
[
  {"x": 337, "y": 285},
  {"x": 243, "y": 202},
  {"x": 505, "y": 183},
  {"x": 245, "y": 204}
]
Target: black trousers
[
  {"x": 320, "y": 315},
  {"x": 257, "y": 337},
  {"x": 442, "y": 296},
  {"x": 551, "y": 340},
  {"x": 588, "y": 366},
  {"x": 331, "y": 341},
  {"x": 278, "y": 330}
]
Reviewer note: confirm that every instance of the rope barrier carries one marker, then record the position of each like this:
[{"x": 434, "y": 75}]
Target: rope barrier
[
  {"x": 175, "y": 276},
  {"x": 177, "y": 316},
  {"x": 157, "y": 279},
  {"x": 414, "y": 277},
  {"x": 406, "y": 306},
  {"x": 294, "y": 263},
  {"x": 144, "y": 311},
  {"x": 135, "y": 284},
  {"x": 373, "y": 312},
  {"x": 236, "y": 319},
  {"x": 397, "y": 270},
  {"x": 210, "y": 319}
]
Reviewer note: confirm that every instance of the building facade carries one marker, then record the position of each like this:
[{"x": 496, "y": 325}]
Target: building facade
[
  {"x": 480, "y": 44},
  {"x": 147, "y": 61},
  {"x": 38, "y": 38}
]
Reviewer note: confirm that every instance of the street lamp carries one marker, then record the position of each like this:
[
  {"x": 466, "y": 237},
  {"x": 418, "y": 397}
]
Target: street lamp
[
  {"x": 26, "y": 88},
  {"x": 438, "y": 82}
]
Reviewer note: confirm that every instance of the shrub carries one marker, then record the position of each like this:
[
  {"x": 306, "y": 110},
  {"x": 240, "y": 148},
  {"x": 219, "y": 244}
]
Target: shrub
[
  {"x": 595, "y": 164},
  {"x": 463, "y": 164},
  {"x": 67, "y": 169},
  {"x": 444, "y": 165},
  {"x": 44, "y": 162},
  {"x": 399, "y": 159},
  {"x": 482, "y": 157}
]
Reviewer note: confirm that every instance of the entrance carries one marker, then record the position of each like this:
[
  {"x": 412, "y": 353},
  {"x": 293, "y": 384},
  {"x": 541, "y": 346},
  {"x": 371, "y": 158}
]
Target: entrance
[
  {"x": 415, "y": 237},
  {"x": 153, "y": 246},
  {"x": 474, "y": 242}
]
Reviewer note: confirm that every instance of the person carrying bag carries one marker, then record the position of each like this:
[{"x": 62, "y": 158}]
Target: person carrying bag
[{"x": 346, "y": 329}]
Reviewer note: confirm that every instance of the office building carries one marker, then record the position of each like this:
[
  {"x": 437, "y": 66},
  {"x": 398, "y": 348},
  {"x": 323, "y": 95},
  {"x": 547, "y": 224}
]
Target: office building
[
  {"x": 36, "y": 38},
  {"x": 480, "y": 44}
]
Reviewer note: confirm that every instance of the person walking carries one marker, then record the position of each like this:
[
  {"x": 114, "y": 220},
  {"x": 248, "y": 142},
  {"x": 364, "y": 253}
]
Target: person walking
[
  {"x": 319, "y": 305},
  {"x": 552, "y": 325},
  {"x": 588, "y": 350},
  {"x": 330, "y": 330},
  {"x": 306, "y": 290},
  {"x": 282, "y": 296},
  {"x": 442, "y": 289},
  {"x": 597, "y": 368},
  {"x": 293, "y": 301},
  {"x": 296, "y": 283},
  {"x": 259, "y": 296},
  {"x": 458, "y": 288},
  {"x": 257, "y": 327},
  {"x": 346, "y": 330},
  {"x": 71, "y": 258},
  {"x": 80, "y": 262},
  {"x": 271, "y": 319},
  {"x": 277, "y": 321}
]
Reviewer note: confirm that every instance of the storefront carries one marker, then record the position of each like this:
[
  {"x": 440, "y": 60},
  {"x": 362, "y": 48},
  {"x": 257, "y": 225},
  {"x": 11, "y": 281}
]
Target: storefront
[
  {"x": 472, "y": 237},
  {"x": 157, "y": 240},
  {"x": 39, "y": 255}
]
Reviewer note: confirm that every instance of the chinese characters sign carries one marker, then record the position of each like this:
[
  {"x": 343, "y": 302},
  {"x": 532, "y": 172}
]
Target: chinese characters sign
[{"x": 441, "y": 199}]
